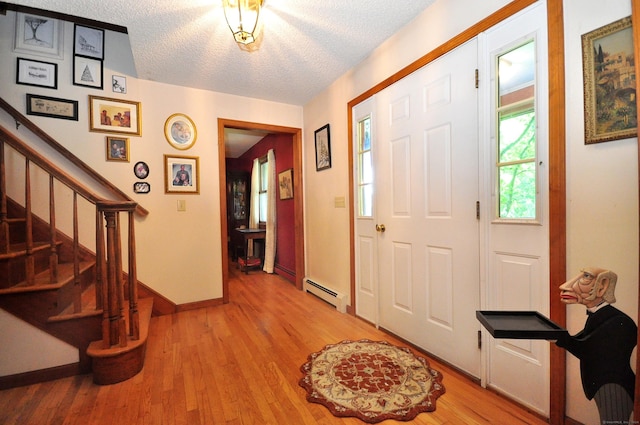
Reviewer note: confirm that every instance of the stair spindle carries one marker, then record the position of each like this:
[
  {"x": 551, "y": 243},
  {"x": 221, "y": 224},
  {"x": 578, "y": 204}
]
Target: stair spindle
[
  {"x": 134, "y": 319},
  {"x": 4, "y": 224},
  {"x": 30, "y": 266},
  {"x": 77, "y": 283},
  {"x": 53, "y": 257}
]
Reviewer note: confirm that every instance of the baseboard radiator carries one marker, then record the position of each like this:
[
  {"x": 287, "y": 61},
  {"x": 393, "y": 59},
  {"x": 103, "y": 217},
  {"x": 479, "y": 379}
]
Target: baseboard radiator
[{"x": 327, "y": 294}]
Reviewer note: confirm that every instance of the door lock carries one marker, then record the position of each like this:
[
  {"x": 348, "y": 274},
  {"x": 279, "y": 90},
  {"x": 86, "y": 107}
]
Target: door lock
[{"x": 380, "y": 228}]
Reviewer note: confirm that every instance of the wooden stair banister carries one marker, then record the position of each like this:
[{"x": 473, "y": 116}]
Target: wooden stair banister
[{"x": 25, "y": 261}]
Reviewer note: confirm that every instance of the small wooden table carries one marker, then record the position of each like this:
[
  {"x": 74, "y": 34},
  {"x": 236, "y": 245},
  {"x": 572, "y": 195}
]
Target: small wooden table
[{"x": 250, "y": 234}]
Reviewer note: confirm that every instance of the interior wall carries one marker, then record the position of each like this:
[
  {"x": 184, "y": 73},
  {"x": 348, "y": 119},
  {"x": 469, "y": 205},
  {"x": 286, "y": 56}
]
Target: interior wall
[
  {"x": 178, "y": 253},
  {"x": 602, "y": 193},
  {"x": 325, "y": 190}
]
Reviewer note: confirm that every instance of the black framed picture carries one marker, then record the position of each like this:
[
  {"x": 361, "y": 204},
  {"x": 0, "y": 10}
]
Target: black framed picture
[
  {"x": 141, "y": 170},
  {"x": 88, "y": 42},
  {"x": 87, "y": 72},
  {"x": 323, "y": 148},
  {"x": 52, "y": 107},
  {"x": 37, "y": 73}
]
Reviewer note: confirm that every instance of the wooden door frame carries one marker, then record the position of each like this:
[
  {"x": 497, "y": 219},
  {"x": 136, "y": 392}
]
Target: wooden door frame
[
  {"x": 557, "y": 171},
  {"x": 296, "y": 135}
]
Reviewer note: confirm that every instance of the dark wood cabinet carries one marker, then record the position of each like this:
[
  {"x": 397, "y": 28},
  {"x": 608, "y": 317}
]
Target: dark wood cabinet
[{"x": 238, "y": 192}]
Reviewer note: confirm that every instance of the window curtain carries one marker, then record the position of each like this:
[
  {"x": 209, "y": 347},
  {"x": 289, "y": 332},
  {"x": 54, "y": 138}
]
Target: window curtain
[
  {"x": 254, "y": 203},
  {"x": 270, "y": 237}
]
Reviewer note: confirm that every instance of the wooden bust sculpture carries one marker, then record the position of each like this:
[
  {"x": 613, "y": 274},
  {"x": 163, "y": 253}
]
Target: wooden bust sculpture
[{"x": 605, "y": 344}]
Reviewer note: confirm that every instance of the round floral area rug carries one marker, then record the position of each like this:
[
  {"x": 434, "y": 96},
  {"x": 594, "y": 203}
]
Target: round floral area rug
[{"x": 372, "y": 381}]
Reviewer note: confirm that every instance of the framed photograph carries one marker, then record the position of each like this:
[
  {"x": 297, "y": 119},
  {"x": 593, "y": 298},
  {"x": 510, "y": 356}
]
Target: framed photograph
[
  {"x": 114, "y": 116},
  {"x": 180, "y": 131},
  {"x": 117, "y": 149},
  {"x": 609, "y": 83},
  {"x": 39, "y": 35},
  {"x": 87, "y": 72},
  {"x": 88, "y": 42},
  {"x": 52, "y": 107},
  {"x": 141, "y": 170},
  {"x": 37, "y": 73},
  {"x": 119, "y": 84},
  {"x": 285, "y": 183},
  {"x": 181, "y": 174},
  {"x": 323, "y": 148},
  {"x": 141, "y": 187}
]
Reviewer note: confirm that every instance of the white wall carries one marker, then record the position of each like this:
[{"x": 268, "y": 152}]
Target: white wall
[
  {"x": 602, "y": 193},
  {"x": 178, "y": 253},
  {"x": 602, "y": 188}
]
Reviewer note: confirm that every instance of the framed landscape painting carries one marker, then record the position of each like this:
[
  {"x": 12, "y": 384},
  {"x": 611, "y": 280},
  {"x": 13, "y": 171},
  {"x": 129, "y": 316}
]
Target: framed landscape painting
[{"x": 609, "y": 83}]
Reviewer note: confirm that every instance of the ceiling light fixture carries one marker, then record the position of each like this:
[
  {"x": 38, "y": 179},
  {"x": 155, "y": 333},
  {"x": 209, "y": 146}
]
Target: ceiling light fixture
[{"x": 242, "y": 18}]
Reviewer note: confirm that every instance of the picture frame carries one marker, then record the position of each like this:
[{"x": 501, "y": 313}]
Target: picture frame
[
  {"x": 117, "y": 149},
  {"x": 141, "y": 170},
  {"x": 180, "y": 131},
  {"x": 108, "y": 115},
  {"x": 36, "y": 73},
  {"x": 141, "y": 187},
  {"x": 52, "y": 107},
  {"x": 285, "y": 184},
  {"x": 323, "y": 148},
  {"x": 609, "y": 83},
  {"x": 119, "y": 84},
  {"x": 39, "y": 35},
  {"x": 87, "y": 72},
  {"x": 88, "y": 41},
  {"x": 181, "y": 174}
]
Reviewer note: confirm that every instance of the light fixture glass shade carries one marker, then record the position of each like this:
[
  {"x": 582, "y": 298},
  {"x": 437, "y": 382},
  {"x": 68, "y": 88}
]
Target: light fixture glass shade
[{"x": 242, "y": 18}]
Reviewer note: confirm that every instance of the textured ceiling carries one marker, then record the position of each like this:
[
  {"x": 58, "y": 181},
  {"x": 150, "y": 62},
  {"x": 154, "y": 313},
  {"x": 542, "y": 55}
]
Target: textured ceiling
[{"x": 305, "y": 44}]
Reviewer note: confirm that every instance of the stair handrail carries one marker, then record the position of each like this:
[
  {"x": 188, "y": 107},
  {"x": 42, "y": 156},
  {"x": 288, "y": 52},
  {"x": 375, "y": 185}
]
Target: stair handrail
[{"x": 104, "y": 183}]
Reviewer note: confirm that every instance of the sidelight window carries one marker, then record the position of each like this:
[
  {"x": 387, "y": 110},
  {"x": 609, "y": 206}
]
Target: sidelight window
[
  {"x": 516, "y": 135},
  {"x": 365, "y": 168}
]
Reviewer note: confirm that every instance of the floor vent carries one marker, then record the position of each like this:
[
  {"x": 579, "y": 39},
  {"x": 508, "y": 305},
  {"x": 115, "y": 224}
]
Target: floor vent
[{"x": 329, "y": 295}]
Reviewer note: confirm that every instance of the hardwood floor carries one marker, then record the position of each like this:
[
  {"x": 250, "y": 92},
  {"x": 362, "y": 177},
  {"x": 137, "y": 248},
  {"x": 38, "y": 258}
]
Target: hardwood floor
[{"x": 238, "y": 364}]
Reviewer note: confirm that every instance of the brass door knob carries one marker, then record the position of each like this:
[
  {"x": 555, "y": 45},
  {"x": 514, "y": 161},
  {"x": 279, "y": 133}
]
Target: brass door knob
[{"x": 380, "y": 228}]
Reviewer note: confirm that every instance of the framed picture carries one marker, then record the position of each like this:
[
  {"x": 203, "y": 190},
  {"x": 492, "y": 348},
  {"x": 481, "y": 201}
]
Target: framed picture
[
  {"x": 609, "y": 83},
  {"x": 141, "y": 187},
  {"x": 117, "y": 149},
  {"x": 87, "y": 72},
  {"x": 52, "y": 107},
  {"x": 323, "y": 148},
  {"x": 119, "y": 84},
  {"x": 88, "y": 42},
  {"x": 180, "y": 131},
  {"x": 37, "y": 73},
  {"x": 114, "y": 116},
  {"x": 181, "y": 174},
  {"x": 141, "y": 170},
  {"x": 39, "y": 35},
  {"x": 285, "y": 183}
]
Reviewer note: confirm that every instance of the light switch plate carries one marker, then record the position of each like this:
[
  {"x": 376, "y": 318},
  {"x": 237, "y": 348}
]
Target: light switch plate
[{"x": 182, "y": 205}]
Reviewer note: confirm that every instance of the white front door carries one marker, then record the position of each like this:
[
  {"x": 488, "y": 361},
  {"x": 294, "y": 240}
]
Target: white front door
[
  {"x": 426, "y": 173},
  {"x": 517, "y": 224}
]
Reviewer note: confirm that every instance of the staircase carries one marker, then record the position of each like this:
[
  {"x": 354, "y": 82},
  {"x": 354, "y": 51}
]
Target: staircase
[{"x": 51, "y": 280}]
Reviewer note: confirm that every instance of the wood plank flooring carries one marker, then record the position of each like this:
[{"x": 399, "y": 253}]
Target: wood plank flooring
[{"x": 238, "y": 364}]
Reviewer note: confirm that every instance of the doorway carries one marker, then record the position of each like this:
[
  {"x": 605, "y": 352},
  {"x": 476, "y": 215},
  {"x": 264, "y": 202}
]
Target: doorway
[{"x": 296, "y": 136}]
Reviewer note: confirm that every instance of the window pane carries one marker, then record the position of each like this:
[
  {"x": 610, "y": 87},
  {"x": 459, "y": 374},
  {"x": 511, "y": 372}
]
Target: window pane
[
  {"x": 366, "y": 169},
  {"x": 518, "y": 191},
  {"x": 264, "y": 176},
  {"x": 366, "y": 200},
  {"x": 517, "y": 136},
  {"x": 365, "y": 130},
  {"x": 263, "y": 206}
]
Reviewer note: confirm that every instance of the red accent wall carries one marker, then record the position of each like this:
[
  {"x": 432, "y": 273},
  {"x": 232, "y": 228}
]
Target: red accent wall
[{"x": 282, "y": 145}]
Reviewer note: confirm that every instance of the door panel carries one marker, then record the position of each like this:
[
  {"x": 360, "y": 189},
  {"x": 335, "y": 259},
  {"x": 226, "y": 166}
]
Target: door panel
[{"x": 429, "y": 253}]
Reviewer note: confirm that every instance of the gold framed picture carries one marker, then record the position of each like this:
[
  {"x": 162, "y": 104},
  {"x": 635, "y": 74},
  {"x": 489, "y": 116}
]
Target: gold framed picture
[
  {"x": 180, "y": 131},
  {"x": 117, "y": 149},
  {"x": 181, "y": 174},
  {"x": 114, "y": 116}
]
